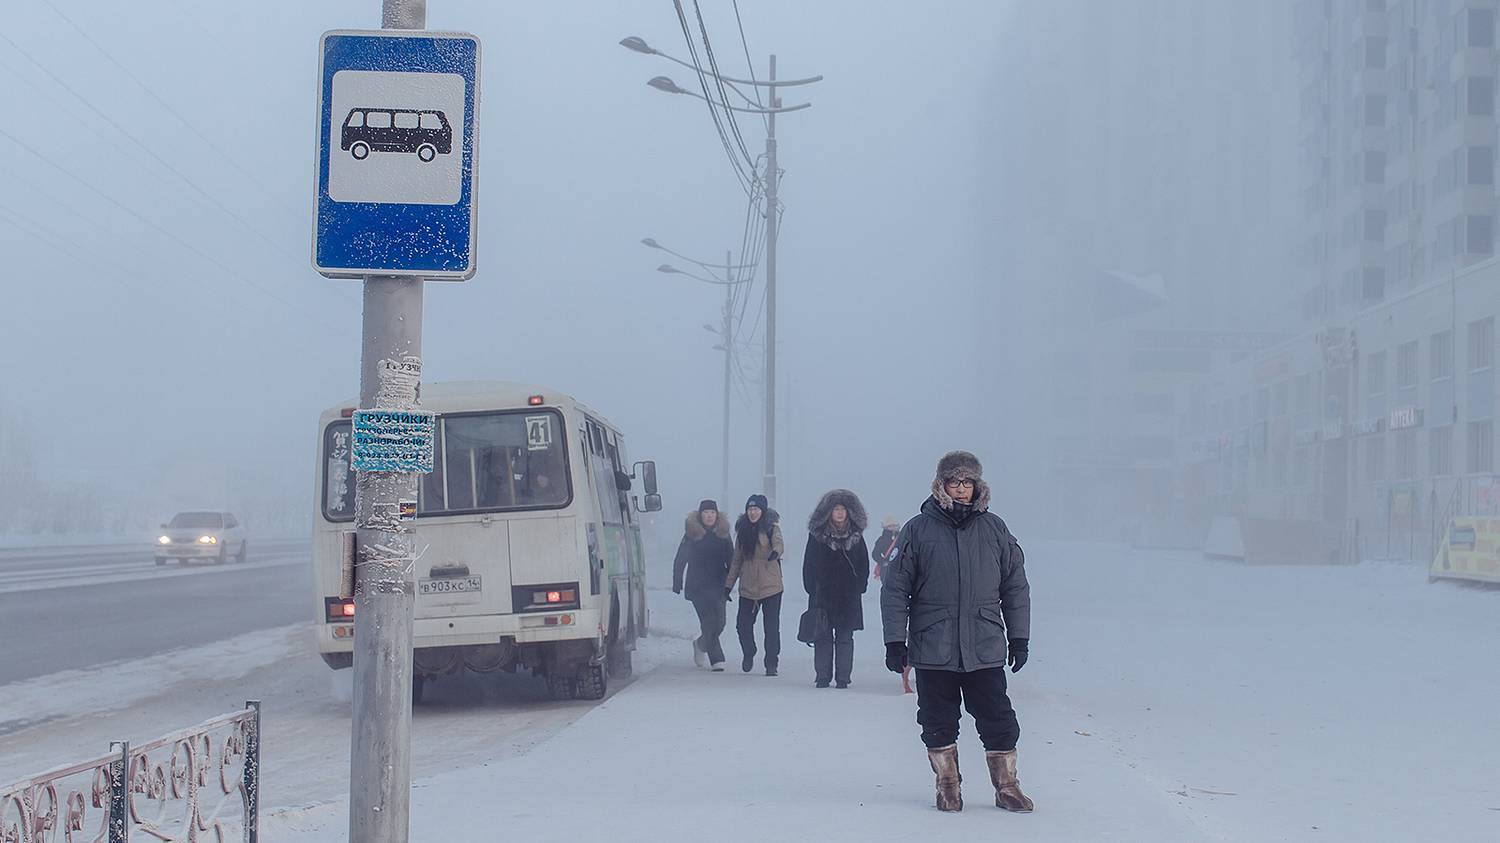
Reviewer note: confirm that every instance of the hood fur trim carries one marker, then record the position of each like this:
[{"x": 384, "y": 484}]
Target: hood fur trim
[
  {"x": 817, "y": 523},
  {"x": 965, "y": 466},
  {"x": 694, "y": 529}
]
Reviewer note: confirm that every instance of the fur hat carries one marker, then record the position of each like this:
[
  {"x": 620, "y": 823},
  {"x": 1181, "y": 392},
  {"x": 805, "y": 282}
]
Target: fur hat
[
  {"x": 708, "y": 504},
  {"x": 693, "y": 525},
  {"x": 758, "y": 500},
  {"x": 890, "y": 522},
  {"x": 960, "y": 465},
  {"x": 817, "y": 523}
]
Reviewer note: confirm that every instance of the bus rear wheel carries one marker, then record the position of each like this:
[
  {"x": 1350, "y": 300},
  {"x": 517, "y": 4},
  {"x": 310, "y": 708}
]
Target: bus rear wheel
[{"x": 593, "y": 682}]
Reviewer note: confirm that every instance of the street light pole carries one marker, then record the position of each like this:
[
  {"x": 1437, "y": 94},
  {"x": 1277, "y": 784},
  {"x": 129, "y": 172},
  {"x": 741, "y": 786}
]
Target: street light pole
[
  {"x": 772, "y": 177},
  {"x": 384, "y": 591}
]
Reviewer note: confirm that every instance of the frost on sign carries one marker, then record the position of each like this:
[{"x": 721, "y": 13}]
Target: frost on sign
[{"x": 393, "y": 441}]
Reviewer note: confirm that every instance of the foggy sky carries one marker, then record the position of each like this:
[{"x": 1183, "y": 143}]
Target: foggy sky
[{"x": 137, "y": 363}]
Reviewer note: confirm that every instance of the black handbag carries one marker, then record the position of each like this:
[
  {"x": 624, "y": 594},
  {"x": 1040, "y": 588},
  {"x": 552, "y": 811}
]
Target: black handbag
[{"x": 812, "y": 620}]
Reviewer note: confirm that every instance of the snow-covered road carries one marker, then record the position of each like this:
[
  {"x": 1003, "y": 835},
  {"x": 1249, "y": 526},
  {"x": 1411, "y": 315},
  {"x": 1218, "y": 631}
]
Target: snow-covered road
[{"x": 1168, "y": 698}]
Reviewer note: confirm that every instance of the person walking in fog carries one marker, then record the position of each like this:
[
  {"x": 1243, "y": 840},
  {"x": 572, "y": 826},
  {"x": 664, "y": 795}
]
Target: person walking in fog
[
  {"x": 884, "y": 552},
  {"x": 835, "y": 574},
  {"x": 956, "y": 606},
  {"x": 700, "y": 568},
  {"x": 758, "y": 548}
]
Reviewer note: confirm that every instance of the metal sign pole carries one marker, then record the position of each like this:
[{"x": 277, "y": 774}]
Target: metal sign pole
[{"x": 384, "y": 586}]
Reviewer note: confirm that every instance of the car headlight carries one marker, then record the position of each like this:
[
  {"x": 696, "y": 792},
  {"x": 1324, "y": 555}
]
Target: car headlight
[
  {"x": 163, "y": 540},
  {"x": 208, "y": 540}
]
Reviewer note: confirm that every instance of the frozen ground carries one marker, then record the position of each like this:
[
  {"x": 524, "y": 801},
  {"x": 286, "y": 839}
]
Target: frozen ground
[{"x": 1168, "y": 698}]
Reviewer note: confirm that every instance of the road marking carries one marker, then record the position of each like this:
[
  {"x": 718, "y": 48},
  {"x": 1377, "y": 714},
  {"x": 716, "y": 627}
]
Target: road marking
[{"x": 68, "y": 578}]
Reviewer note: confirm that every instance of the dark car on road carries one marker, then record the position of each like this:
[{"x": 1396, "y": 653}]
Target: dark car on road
[{"x": 425, "y": 133}]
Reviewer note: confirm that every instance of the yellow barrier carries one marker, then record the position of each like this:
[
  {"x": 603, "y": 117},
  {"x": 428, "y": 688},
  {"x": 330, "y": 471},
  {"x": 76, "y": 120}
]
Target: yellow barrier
[{"x": 1470, "y": 550}]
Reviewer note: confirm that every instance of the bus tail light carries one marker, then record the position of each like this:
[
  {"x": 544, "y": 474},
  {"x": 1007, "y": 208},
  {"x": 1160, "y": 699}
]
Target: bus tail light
[
  {"x": 338, "y": 610},
  {"x": 545, "y": 598},
  {"x": 535, "y": 400}
]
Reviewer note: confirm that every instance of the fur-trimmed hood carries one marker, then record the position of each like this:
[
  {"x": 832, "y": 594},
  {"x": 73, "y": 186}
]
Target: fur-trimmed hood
[
  {"x": 817, "y": 523},
  {"x": 694, "y": 530},
  {"x": 964, "y": 466}
]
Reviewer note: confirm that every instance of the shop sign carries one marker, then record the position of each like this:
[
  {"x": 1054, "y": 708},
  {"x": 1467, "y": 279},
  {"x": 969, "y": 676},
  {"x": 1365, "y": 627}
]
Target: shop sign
[{"x": 1405, "y": 417}]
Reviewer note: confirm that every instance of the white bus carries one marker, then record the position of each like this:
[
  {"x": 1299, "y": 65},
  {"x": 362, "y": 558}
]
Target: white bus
[{"x": 528, "y": 546}]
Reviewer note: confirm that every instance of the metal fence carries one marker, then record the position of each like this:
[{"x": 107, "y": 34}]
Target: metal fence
[{"x": 199, "y": 784}]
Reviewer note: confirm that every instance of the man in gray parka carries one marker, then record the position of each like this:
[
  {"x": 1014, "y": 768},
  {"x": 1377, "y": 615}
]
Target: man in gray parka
[{"x": 956, "y": 606}]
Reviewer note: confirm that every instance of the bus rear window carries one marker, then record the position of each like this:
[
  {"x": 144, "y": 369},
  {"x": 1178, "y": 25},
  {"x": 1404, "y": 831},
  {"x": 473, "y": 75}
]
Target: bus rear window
[
  {"x": 487, "y": 462},
  {"x": 338, "y": 474},
  {"x": 484, "y": 462}
]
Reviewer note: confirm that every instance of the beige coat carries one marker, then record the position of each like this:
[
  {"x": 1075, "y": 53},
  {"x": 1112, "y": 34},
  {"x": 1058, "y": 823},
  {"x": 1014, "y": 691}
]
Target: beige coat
[{"x": 759, "y": 575}]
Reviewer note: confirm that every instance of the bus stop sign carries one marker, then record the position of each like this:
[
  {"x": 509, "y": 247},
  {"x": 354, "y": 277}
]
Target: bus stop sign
[{"x": 397, "y": 125}]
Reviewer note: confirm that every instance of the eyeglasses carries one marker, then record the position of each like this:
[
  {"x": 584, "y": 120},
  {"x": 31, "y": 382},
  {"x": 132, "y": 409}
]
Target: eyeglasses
[{"x": 959, "y": 484}]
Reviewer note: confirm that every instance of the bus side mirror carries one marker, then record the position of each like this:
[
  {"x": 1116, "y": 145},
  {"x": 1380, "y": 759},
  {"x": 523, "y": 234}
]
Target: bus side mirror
[
  {"x": 646, "y": 470},
  {"x": 652, "y": 503}
]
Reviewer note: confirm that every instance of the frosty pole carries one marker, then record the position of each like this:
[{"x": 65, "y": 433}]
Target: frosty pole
[{"x": 390, "y": 370}]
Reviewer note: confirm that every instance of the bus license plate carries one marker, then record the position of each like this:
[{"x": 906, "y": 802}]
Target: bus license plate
[{"x": 450, "y": 585}]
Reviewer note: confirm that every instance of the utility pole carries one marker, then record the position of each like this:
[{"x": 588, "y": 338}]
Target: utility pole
[
  {"x": 384, "y": 586},
  {"x": 728, "y": 336},
  {"x": 772, "y": 176}
]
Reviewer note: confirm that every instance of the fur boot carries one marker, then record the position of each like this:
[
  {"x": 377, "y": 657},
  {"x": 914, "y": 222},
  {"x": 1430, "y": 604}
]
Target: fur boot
[
  {"x": 1008, "y": 793},
  {"x": 945, "y": 764}
]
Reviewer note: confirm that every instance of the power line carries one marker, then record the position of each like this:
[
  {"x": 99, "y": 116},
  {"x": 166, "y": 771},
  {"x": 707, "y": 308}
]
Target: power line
[
  {"x": 750, "y": 65},
  {"x": 150, "y": 224},
  {"x": 713, "y": 110},
  {"x": 141, "y": 145},
  {"x": 225, "y": 157},
  {"x": 718, "y": 78}
]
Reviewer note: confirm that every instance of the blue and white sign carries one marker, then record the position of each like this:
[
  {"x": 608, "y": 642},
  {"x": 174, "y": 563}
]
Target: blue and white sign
[
  {"x": 393, "y": 440},
  {"x": 397, "y": 126}
]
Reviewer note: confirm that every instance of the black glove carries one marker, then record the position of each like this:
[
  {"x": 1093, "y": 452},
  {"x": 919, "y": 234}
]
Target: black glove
[
  {"x": 895, "y": 657},
  {"x": 773, "y": 557},
  {"x": 727, "y": 592},
  {"x": 1017, "y": 657},
  {"x": 676, "y": 590}
]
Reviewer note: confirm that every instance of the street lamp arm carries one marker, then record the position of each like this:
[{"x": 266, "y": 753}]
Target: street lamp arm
[
  {"x": 655, "y": 245},
  {"x": 639, "y": 46},
  {"x": 672, "y": 270},
  {"x": 780, "y": 110}
]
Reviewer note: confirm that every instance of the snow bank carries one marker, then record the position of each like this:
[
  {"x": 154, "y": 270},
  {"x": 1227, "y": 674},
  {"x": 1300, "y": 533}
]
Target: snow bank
[{"x": 120, "y": 685}]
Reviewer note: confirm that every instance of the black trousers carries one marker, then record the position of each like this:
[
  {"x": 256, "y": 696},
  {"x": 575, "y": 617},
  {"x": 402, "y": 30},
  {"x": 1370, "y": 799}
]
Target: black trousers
[
  {"x": 982, "y": 692},
  {"x": 833, "y": 655},
  {"x": 770, "y": 607},
  {"x": 711, "y": 619}
]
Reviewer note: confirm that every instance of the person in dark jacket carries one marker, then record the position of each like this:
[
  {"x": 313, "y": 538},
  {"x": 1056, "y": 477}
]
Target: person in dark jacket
[
  {"x": 835, "y": 575},
  {"x": 956, "y": 606},
  {"x": 758, "y": 547},
  {"x": 884, "y": 552},
  {"x": 700, "y": 568}
]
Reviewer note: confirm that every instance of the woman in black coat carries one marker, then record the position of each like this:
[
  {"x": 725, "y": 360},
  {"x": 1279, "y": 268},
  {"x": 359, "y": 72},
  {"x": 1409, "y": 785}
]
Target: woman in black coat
[{"x": 835, "y": 572}]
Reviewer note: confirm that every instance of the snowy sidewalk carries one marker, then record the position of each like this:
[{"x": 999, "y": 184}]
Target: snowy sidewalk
[{"x": 687, "y": 753}]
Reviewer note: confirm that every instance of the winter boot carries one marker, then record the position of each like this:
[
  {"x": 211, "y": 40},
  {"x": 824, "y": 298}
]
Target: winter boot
[
  {"x": 945, "y": 764},
  {"x": 700, "y": 658},
  {"x": 1008, "y": 793},
  {"x": 718, "y": 667}
]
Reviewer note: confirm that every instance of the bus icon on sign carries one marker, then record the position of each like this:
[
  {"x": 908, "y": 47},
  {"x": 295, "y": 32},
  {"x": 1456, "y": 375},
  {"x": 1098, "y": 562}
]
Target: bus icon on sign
[{"x": 425, "y": 133}]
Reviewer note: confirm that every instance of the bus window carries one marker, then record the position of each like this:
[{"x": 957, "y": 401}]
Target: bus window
[
  {"x": 499, "y": 461},
  {"x": 378, "y": 119},
  {"x": 431, "y": 491},
  {"x": 406, "y": 120},
  {"x": 338, "y": 474}
]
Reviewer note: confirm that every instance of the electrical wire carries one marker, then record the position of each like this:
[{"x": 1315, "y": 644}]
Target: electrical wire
[
  {"x": 713, "y": 65},
  {"x": 183, "y": 177},
  {"x": 255, "y": 181},
  {"x": 709, "y": 100},
  {"x": 228, "y": 270},
  {"x": 750, "y": 65}
]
